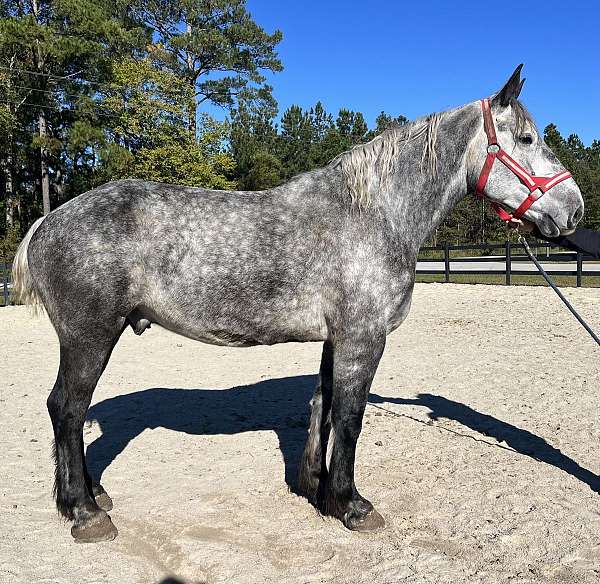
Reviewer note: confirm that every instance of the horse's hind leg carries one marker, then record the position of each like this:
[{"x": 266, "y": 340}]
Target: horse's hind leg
[
  {"x": 82, "y": 360},
  {"x": 95, "y": 488},
  {"x": 313, "y": 467}
]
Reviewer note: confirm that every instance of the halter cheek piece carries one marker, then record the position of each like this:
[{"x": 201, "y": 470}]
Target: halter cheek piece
[{"x": 533, "y": 183}]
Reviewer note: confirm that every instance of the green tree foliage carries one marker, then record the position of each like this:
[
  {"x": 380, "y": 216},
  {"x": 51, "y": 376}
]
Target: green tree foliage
[
  {"x": 384, "y": 121},
  {"x": 311, "y": 138},
  {"x": 267, "y": 154},
  {"x": 148, "y": 135},
  {"x": 266, "y": 171},
  {"x": 47, "y": 50},
  {"x": 92, "y": 90},
  {"x": 214, "y": 47},
  {"x": 295, "y": 140},
  {"x": 253, "y": 140}
]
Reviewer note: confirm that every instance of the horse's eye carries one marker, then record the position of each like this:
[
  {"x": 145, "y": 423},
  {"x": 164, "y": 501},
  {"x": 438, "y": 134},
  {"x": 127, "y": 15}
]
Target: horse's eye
[{"x": 526, "y": 139}]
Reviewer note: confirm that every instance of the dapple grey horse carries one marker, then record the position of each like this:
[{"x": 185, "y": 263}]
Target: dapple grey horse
[{"x": 329, "y": 256}]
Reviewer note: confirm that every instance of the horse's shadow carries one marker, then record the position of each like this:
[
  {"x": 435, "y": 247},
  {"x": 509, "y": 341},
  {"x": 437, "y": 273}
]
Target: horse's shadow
[{"x": 281, "y": 405}]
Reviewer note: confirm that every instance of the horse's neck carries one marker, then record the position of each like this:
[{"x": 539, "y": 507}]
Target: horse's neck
[{"x": 420, "y": 200}]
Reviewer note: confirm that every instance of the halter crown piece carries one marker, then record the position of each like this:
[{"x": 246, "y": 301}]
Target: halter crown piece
[{"x": 533, "y": 183}]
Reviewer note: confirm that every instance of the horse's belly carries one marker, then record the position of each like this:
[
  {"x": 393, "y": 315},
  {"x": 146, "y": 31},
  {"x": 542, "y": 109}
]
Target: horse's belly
[
  {"x": 242, "y": 331},
  {"x": 232, "y": 337},
  {"x": 228, "y": 338}
]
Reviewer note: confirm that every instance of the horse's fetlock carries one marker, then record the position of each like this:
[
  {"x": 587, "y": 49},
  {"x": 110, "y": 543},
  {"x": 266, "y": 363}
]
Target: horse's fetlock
[
  {"x": 332, "y": 502},
  {"x": 64, "y": 505},
  {"x": 88, "y": 514}
]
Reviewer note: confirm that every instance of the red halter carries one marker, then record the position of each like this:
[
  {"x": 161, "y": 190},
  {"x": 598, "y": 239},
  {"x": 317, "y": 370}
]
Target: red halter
[{"x": 533, "y": 183}]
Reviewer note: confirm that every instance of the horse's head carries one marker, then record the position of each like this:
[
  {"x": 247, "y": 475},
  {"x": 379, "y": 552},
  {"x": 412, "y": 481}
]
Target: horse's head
[{"x": 514, "y": 168}]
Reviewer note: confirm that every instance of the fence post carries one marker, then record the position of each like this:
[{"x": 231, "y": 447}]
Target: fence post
[
  {"x": 508, "y": 262},
  {"x": 5, "y": 283},
  {"x": 447, "y": 261},
  {"x": 579, "y": 268}
]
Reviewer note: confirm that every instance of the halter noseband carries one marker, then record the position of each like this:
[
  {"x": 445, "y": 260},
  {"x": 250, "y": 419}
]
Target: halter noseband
[{"x": 533, "y": 183}]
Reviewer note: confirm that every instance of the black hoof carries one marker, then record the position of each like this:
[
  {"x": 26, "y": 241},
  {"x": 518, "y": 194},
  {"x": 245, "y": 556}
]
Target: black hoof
[
  {"x": 98, "y": 528},
  {"x": 356, "y": 515},
  {"x": 372, "y": 522}
]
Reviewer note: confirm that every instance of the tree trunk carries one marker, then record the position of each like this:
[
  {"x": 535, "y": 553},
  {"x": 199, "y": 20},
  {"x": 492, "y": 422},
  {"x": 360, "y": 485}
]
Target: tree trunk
[
  {"x": 42, "y": 127},
  {"x": 9, "y": 185},
  {"x": 192, "y": 109},
  {"x": 192, "y": 116},
  {"x": 44, "y": 163},
  {"x": 59, "y": 185}
]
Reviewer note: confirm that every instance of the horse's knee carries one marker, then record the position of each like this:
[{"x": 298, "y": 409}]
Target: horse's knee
[{"x": 55, "y": 401}]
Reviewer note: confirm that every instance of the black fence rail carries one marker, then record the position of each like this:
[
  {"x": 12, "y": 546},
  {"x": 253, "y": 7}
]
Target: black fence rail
[{"x": 511, "y": 254}]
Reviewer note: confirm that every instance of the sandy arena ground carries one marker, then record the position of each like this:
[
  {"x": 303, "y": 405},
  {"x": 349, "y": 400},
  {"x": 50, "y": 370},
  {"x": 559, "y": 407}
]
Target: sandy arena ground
[{"x": 480, "y": 447}]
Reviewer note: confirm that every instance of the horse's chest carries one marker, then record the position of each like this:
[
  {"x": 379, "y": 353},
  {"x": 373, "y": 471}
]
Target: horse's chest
[{"x": 399, "y": 307}]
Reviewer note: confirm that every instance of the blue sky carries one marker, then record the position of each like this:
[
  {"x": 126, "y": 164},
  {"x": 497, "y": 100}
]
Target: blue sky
[{"x": 423, "y": 56}]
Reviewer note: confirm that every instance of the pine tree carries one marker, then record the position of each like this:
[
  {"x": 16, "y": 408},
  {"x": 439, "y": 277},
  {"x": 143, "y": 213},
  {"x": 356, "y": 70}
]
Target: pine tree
[
  {"x": 295, "y": 140},
  {"x": 254, "y": 147},
  {"x": 214, "y": 46}
]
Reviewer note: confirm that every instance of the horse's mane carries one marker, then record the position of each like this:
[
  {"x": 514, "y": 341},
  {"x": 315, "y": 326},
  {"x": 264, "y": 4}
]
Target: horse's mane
[{"x": 368, "y": 167}]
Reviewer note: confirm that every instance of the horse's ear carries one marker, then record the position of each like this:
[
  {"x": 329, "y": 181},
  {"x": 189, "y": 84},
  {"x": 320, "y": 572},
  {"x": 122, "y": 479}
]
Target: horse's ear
[{"x": 511, "y": 89}]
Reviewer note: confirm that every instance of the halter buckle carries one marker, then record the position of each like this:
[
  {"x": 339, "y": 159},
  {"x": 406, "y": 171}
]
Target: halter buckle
[{"x": 493, "y": 149}]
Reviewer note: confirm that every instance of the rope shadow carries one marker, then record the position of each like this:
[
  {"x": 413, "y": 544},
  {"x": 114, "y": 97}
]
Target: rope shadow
[{"x": 516, "y": 439}]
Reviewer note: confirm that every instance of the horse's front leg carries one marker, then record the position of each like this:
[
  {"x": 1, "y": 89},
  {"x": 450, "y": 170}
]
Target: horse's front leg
[{"x": 355, "y": 361}]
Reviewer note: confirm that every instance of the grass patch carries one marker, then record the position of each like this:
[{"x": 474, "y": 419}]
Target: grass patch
[{"x": 500, "y": 280}]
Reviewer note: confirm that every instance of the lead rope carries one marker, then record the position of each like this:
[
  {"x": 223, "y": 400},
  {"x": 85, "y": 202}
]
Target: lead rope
[{"x": 584, "y": 324}]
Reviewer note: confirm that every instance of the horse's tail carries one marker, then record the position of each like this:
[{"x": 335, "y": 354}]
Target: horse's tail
[{"x": 24, "y": 291}]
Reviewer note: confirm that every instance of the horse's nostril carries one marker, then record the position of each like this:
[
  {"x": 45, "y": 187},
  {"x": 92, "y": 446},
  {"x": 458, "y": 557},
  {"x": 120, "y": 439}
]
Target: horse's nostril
[{"x": 575, "y": 218}]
